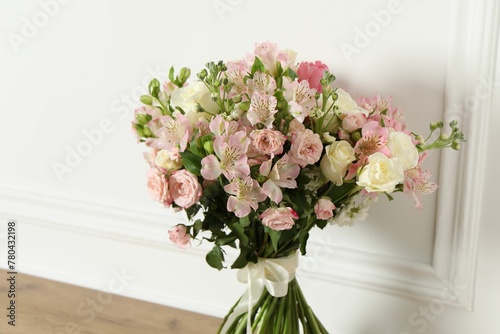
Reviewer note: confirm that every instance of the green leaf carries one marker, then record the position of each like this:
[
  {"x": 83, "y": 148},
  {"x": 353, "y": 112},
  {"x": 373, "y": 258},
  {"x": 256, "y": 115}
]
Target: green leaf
[
  {"x": 303, "y": 236},
  {"x": 338, "y": 193},
  {"x": 244, "y": 221},
  {"x": 257, "y": 66},
  {"x": 389, "y": 197},
  {"x": 197, "y": 227},
  {"x": 239, "y": 231},
  {"x": 215, "y": 258},
  {"x": 275, "y": 237},
  {"x": 192, "y": 211},
  {"x": 228, "y": 239},
  {"x": 191, "y": 161},
  {"x": 291, "y": 74},
  {"x": 321, "y": 223},
  {"x": 242, "y": 259}
]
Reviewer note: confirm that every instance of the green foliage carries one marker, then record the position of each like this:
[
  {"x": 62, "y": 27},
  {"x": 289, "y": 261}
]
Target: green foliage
[{"x": 215, "y": 258}]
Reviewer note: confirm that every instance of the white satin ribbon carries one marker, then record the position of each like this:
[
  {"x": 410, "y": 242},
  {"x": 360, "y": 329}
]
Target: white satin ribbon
[{"x": 273, "y": 274}]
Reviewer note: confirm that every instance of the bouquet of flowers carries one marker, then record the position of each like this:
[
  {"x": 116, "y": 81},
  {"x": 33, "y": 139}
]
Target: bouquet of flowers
[{"x": 258, "y": 152}]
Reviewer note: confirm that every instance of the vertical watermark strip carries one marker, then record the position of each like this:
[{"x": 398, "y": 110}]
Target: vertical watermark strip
[{"x": 12, "y": 242}]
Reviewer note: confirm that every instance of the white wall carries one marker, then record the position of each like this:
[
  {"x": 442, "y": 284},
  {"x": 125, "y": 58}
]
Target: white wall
[{"x": 88, "y": 63}]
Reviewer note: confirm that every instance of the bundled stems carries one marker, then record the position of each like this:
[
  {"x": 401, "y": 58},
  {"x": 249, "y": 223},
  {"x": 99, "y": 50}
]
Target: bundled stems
[{"x": 273, "y": 315}]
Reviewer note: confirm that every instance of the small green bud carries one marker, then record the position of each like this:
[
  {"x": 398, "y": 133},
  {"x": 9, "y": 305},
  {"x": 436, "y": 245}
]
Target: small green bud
[
  {"x": 261, "y": 178},
  {"x": 154, "y": 87},
  {"x": 143, "y": 119},
  {"x": 236, "y": 99},
  {"x": 420, "y": 139},
  {"x": 139, "y": 129},
  {"x": 184, "y": 74},
  {"x": 147, "y": 100},
  {"x": 209, "y": 147},
  {"x": 434, "y": 126},
  {"x": 214, "y": 97},
  {"x": 356, "y": 135},
  {"x": 245, "y": 105},
  {"x": 203, "y": 74},
  {"x": 147, "y": 131},
  {"x": 443, "y": 136},
  {"x": 455, "y": 145},
  {"x": 282, "y": 104},
  {"x": 317, "y": 95}
]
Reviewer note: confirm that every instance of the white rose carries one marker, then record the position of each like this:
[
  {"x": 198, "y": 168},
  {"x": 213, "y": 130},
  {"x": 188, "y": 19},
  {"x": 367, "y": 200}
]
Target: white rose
[
  {"x": 190, "y": 96},
  {"x": 347, "y": 105},
  {"x": 165, "y": 160},
  {"x": 401, "y": 147},
  {"x": 382, "y": 174},
  {"x": 336, "y": 161}
]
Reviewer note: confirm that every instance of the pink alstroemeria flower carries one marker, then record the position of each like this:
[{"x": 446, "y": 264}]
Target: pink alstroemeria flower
[
  {"x": 262, "y": 109},
  {"x": 417, "y": 182},
  {"x": 230, "y": 157},
  {"x": 270, "y": 55},
  {"x": 174, "y": 132},
  {"x": 220, "y": 127},
  {"x": 374, "y": 139},
  {"x": 300, "y": 98},
  {"x": 246, "y": 194},
  {"x": 282, "y": 175}
]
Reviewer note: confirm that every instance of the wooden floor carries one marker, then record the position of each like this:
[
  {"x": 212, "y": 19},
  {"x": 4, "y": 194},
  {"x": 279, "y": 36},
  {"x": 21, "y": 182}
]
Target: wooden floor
[{"x": 48, "y": 307}]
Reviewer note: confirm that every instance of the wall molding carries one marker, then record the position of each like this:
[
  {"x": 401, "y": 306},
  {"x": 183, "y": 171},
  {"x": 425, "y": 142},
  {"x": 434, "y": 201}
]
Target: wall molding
[
  {"x": 471, "y": 64},
  {"x": 376, "y": 272}
]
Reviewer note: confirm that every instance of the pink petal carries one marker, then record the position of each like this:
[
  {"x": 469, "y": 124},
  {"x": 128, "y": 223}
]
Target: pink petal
[
  {"x": 265, "y": 168},
  {"x": 239, "y": 207},
  {"x": 210, "y": 167},
  {"x": 272, "y": 191}
]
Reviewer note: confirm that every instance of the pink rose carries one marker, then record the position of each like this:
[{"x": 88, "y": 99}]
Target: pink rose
[
  {"x": 279, "y": 219},
  {"x": 353, "y": 122},
  {"x": 306, "y": 147},
  {"x": 324, "y": 209},
  {"x": 268, "y": 141},
  {"x": 312, "y": 72},
  {"x": 179, "y": 237},
  {"x": 185, "y": 188},
  {"x": 158, "y": 186}
]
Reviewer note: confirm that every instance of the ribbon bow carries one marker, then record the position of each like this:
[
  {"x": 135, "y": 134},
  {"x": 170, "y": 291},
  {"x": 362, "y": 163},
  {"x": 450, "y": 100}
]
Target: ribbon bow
[{"x": 273, "y": 274}]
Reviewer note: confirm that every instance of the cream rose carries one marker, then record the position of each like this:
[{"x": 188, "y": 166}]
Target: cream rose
[
  {"x": 402, "y": 148},
  {"x": 190, "y": 96},
  {"x": 336, "y": 161},
  {"x": 346, "y": 105},
  {"x": 165, "y": 159},
  {"x": 382, "y": 174}
]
